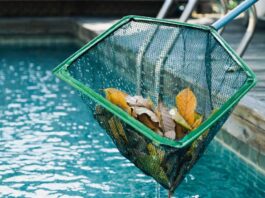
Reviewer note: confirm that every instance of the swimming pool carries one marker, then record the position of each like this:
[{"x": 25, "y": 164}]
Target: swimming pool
[{"x": 51, "y": 147}]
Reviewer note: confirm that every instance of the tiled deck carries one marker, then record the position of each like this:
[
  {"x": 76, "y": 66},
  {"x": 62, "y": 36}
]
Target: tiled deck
[{"x": 254, "y": 56}]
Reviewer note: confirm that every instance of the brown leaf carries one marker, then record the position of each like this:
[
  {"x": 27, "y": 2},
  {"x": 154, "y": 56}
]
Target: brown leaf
[
  {"x": 114, "y": 131},
  {"x": 139, "y": 101},
  {"x": 143, "y": 110},
  {"x": 186, "y": 103},
  {"x": 170, "y": 134},
  {"x": 147, "y": 117},
  {"x": 180, "y": 131},
  {"x": 166, "y": 120},
  {"x": 118, "y": 98},
  {"x": 146, "y": 120}
]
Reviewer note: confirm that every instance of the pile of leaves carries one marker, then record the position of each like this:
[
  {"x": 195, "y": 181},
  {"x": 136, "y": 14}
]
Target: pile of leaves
[
  {"x": 167, "y": 165},
  {"x": 172, "y": 123}
]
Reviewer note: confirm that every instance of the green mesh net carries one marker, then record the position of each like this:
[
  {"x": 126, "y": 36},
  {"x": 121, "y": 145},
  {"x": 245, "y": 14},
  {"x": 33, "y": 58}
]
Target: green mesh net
[{"x": 157, "y": 59}]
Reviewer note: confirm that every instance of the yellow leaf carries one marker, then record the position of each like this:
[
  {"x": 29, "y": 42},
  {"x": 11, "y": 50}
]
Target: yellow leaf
[
  {"x": 197, "y": 122},
  {"x": 186, "y": 103},
  {"x": 197, "y": 116},
  {"x": 118, "y": 98}
]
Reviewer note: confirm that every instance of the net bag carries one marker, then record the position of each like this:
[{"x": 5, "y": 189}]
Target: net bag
[{"x": 157, "y": 59}]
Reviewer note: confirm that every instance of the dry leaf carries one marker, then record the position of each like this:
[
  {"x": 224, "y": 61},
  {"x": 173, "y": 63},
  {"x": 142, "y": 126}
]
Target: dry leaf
[
  {"x": 186, "y": 103},
  {"x": 179, "y": 119},
  {"x": 182, "y": 127},
  {"x": 151, "y": 148},
  {"x": 197, "y": 122},
  {"x": 180, "y": 131},
  {"x": 151, "y": 103},
  {"x": 143, "y": 110},
  {"x": 197, "y": 116},
  {"x": 151, "y": 165},
  {"x": 147, "y": 117},
  {"x": 170, "y": 134},
  {"x": 114, "y": 131},
  {"x": 139, "y": 101},
  {"x": 118, "y": 98},
  {"x": 166, "y": 120},
  {"x": 120, "y": 129},
  {"x": 155, "y": 152},
  {"x": 146, "y": 120}
]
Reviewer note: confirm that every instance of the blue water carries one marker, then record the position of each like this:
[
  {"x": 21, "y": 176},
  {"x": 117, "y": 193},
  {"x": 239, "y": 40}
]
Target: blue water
[{"x": 51, "y": 147}]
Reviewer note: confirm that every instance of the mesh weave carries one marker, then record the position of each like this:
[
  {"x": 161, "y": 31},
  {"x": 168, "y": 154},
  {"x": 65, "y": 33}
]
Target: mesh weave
[{"x": 159, "y": 60}]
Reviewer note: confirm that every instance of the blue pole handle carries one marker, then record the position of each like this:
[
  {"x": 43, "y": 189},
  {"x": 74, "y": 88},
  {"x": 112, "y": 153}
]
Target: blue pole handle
[{"x": 233, "y": 14}]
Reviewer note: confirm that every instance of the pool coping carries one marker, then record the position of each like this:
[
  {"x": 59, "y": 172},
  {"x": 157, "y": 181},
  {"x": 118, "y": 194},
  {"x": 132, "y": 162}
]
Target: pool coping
[
  {"x": 244, "y": 131},
  {"x": 47, "y": 25}
]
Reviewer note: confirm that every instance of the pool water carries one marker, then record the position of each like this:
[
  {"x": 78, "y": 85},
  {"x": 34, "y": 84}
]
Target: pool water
[{"x": 50, "y": 145}]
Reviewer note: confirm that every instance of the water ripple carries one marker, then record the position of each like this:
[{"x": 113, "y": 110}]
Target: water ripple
[{"x": 50, "y": 145}]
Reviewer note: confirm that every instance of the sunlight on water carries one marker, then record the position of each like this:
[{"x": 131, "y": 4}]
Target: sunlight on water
[{"x": 50, "y": 145}]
